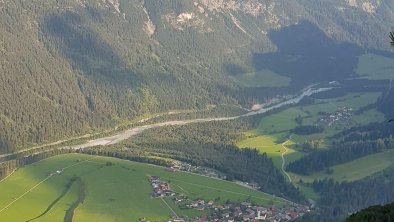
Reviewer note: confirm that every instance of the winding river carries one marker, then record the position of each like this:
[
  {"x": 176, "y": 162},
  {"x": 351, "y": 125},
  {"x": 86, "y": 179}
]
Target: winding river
[{"x": 110, "y": 140}]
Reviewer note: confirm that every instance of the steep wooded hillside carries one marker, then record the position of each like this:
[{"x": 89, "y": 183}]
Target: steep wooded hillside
[{"x": 71, "y": 67}]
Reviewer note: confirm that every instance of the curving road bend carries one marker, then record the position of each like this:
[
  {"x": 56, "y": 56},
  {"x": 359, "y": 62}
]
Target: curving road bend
[{"x": 284, "y": 160}]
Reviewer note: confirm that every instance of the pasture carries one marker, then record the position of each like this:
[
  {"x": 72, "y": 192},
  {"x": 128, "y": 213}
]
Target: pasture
[
  {"x": 119, "y": 191},
  {"x": 263, "y": 78},
  {"x": 274, "y": 129},
  {"x": 272, "y": 145},
  {"x": 375, "y": 67},
  {"x": 285, "y": 120},
  {"x": 353, "y": 170}
]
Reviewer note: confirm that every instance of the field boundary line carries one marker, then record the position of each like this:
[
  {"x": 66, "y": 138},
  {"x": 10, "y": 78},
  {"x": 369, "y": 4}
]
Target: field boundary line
[
  {"x": 181, "y": 188},
  {"x": 229, "y": 191},
  {"x": 42, "y": 181},
  {"x": 78, "y": 163},
  {"x": 28, "y": 191},
  {"x": 7, "y": 176},
  {"x": 169, "y": 207}
]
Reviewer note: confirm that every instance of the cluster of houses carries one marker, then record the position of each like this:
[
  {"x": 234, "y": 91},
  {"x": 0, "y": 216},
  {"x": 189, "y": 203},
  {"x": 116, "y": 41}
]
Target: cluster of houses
[
  {"x": 343, "y": 115},
  {"x": 160, "y": 188},
  {"x": 200, "y": 204},
  {"x": 228, "y": 212},
  {"x": 246, "y": 211}
]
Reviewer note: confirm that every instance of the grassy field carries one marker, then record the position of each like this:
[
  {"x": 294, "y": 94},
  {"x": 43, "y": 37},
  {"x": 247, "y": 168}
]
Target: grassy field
[
  {"x": 264, "y": 78},
  {"x": 285, "y": 120},
  {"x": 280, "y": 122},
  {"x": 274, "y": 129},
  {"x": 354, "y": 170},
  {"x": 308, "y": 191},
  {"x": 265, "y": 144},
  {"x": 120, "y": 192},
  {"x": 375, "y": 67},
  {"x": 272, "y": 145}
]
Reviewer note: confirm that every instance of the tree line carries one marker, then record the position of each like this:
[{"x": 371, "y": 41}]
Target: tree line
[
  {"x": 336, "y": 154},
  {"x": 339, "y": 200},
  {"x": 208, "y": 144}
]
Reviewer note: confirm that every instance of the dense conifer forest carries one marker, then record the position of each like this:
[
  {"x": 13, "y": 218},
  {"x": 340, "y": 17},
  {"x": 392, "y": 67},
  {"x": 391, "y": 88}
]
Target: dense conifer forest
[{"x": 71, "y": 68}]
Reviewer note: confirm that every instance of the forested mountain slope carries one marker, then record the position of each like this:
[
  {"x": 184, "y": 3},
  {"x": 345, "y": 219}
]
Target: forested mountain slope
[
  {"x": 70, "y": 67},
  {"x": 374, "y": 213}
]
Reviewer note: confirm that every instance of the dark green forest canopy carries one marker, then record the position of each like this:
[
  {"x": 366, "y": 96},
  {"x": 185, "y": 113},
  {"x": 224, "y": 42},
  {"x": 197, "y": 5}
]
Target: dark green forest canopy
[
  {"x": 374, "y": 213},
  {"x": 69, "y": 68},
  {"x": 75, "y": 67},
  {"x": 378, "y": 212}
]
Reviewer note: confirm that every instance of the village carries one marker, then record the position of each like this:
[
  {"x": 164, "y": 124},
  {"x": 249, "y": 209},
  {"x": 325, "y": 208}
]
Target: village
[
  {"x": 246, "y": 211},
  {"x": 160, "y": 188},
  {"x": 229, "y": 211},
  {"x": 343, "y": 116}
]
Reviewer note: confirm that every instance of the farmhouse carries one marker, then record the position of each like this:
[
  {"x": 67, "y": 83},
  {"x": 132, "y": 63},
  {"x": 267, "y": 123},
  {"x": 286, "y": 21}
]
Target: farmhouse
[{"x": 160, "y": 188}]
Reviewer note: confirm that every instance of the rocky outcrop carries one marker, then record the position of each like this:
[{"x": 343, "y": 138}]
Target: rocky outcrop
[
  {"x": 369, "y": 6},
  {"x": 187, "y": 19},
  {"x": 149, "y": 27}
]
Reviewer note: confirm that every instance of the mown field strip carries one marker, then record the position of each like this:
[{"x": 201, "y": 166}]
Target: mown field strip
[
  {"x": 170, "y": 208},
  {"x": 24, "y": 194},
  {"x": 228, "y": 191},
  {"x": 7, "y": 176},
  {"x": 41, "y": 182}
]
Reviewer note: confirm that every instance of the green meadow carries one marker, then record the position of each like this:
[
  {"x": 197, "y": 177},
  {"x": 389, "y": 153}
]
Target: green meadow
[
  {"x": 263, "y": 78},
  {"x": 284, "y": 121},
  {"x": 119, "y": 191},
  {"x": 353, "y": 170},
  {"x": 275, "y": 129},
  {"x": 272, "y": 145},
  {"x": 375, "y": 67}
]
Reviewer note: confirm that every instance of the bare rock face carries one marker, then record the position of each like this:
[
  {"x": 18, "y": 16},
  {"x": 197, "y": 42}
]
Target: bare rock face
[
  {"x": 188, "y": 19},
  {"x": 81, "y": 3},
  {"x": 266, "y": 9},
  {"x": 149, "y": 27},
  {"x": 369, "y": 6},
  {"x": 204, "y": 11},
  {"x": 252, "y": 7},
  {"x": 114, "y": 4}
]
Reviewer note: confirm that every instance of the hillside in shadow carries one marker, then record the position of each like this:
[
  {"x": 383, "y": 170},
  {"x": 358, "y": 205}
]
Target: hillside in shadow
[
  {"x": 84, "y": 48},
  {"x": 307, "y": 55}
]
